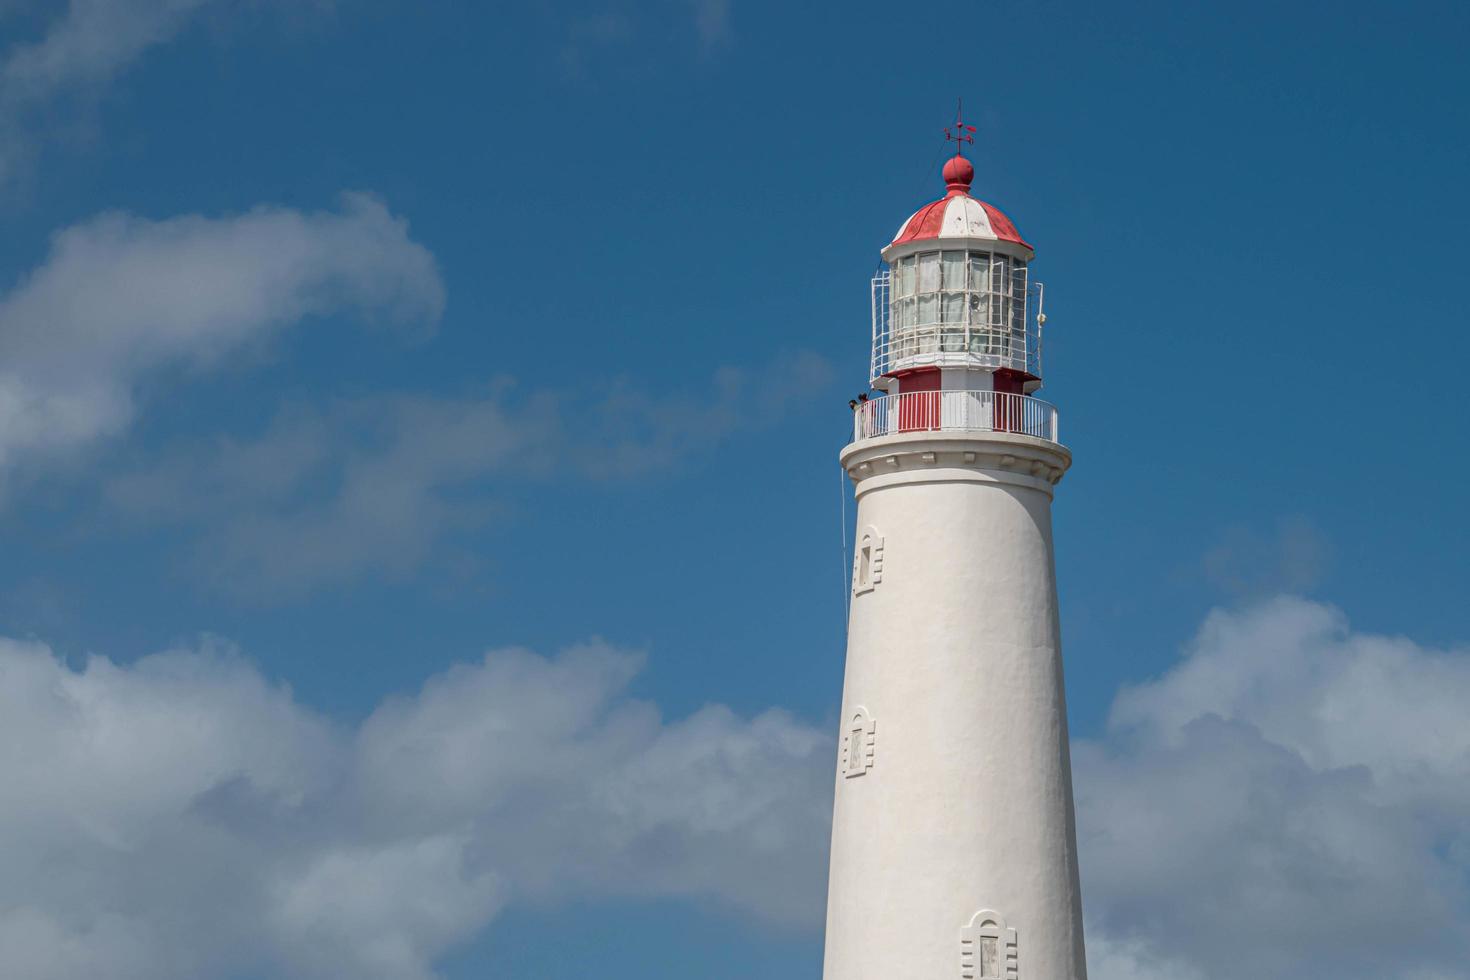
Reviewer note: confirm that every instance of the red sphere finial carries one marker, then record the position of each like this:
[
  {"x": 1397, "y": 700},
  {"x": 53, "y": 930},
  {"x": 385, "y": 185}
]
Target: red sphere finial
[{"x": 958, "y": 174}]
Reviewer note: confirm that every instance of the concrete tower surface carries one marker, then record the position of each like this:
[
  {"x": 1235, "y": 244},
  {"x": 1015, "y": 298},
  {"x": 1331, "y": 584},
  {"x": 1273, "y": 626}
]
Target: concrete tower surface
[{"x": 954, "y": 849}]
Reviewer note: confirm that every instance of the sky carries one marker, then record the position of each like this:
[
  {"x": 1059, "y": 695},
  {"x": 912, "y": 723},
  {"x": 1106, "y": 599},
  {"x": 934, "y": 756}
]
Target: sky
[{"x": 421, "y": 534}]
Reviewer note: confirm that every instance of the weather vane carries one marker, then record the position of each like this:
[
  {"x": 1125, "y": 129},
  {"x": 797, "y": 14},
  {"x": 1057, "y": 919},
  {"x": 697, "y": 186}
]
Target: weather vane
[{"x": 959, "y": 133}]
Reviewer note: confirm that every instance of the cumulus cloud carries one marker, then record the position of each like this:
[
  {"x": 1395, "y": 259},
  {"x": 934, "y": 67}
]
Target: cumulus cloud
[
  {"x": 183, "y": 817},
  {"x": 119, "y": 297},
  {"x": 1293, "y": 799},
  {"x": 371, "y": 486},
  {"x": 91, "y": 41}
]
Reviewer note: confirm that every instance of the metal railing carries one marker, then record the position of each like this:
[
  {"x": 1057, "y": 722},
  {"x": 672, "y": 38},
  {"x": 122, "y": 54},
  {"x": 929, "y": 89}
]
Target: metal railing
[
  {"x": 955, "y": 411},
  {"x": 945, "y": 345}
]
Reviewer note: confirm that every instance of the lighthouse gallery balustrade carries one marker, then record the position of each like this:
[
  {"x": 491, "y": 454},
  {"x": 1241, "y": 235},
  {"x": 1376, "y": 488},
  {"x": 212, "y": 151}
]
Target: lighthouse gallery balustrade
[{"x": 963, "y": 411}]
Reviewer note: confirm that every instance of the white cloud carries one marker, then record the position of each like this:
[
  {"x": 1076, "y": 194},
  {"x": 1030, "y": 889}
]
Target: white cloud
[
  {"x": 402, "y": 472},
  {"x": 1110, "y": 960},
  {"x": 92, "y": 41},
  {"x": 119, "y": 297},
  {"x": 384, "y": 910},
  {"x": 1292, "y": 800},
  {"x": 182, "y": 817}
]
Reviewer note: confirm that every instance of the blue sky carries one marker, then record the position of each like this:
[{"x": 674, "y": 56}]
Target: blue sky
[{"x": 341, "y": 343}]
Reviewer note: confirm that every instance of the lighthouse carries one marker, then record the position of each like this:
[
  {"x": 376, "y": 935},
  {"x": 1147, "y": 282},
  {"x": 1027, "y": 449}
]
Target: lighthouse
[{"x": 954, "y": 847}]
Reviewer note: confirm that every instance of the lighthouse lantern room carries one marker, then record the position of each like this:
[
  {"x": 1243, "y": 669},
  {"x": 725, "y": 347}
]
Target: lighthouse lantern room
[{"x": 953, "y": 294}]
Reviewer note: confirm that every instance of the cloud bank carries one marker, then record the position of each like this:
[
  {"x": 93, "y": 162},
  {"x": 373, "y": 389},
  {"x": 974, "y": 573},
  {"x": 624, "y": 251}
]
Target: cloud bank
[
  {"x": 1291, "y": 800},
  {"x": 120, "y": 297},
  {"x": 183, "y": 817}
]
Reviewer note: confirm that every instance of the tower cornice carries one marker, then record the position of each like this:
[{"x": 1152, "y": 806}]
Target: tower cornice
[{"x": 955, "y": 457}]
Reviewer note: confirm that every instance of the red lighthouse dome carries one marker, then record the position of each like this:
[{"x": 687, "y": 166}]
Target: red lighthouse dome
[{"x": 957, "y": 214}]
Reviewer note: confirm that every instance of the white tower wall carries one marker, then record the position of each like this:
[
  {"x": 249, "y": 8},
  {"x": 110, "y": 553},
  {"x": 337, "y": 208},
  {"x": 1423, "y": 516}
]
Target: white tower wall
[{"x": 961, "y": 800}]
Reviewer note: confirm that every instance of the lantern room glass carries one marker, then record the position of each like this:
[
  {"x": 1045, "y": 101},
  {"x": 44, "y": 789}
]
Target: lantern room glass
[{"x": 959, "y": 301}]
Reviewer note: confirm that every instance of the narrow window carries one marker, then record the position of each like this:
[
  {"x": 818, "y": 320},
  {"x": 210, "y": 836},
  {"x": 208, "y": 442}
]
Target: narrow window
[
  {"x": 906, "y": 276},
  {"x": 979, "y": 272},
  {"x": 929, "y": 272},
  {"x": 952, "y": 313},
  {"x": 867, "y": 561},
  {"x": 857, "y": 748},
  {"x": 989, "y": 958},
  {"x": 858, "y": 738},
  {"x": 987, "y": 948},
  {"x": 954, "y": 270},
  {"x": 928, "y": 309}
]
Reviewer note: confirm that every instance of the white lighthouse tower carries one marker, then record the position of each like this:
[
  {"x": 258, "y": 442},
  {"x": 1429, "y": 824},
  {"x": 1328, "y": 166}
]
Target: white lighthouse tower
[{"x": 954, "y": 850}]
